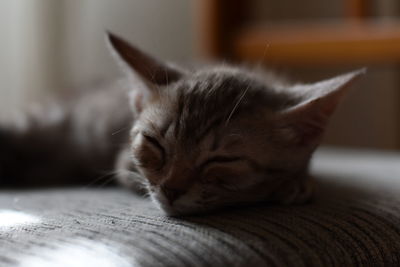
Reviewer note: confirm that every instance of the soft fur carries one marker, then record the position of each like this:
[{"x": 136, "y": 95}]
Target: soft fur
[{"x": 193, "y": 140}]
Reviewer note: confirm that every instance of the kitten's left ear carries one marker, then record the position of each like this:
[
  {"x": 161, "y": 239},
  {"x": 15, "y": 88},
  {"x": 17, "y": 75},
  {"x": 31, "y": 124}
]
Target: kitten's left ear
[
  {"x": 149, "y": 68},
  {"x": 307, "y": 120}
]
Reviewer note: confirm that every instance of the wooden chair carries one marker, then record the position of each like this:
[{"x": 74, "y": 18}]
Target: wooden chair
[{"x": 356, "y": 39}]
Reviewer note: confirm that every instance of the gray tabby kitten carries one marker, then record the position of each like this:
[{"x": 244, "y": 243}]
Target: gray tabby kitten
[{"x": 193, "y": 140}]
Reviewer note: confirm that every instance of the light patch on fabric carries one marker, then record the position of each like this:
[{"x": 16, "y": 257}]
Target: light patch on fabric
[
  {"x": 79, "y": 253},
  {"x": 11, "y": 218}
]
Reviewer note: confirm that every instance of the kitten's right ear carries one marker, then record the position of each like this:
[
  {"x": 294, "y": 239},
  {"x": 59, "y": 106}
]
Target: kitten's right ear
[
  {"x": 151, "y": 71},
  {"x": 149, "y": 68}
]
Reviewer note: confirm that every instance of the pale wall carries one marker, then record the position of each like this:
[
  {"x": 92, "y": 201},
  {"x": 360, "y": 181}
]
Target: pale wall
[{"x": 49, "y": 45}]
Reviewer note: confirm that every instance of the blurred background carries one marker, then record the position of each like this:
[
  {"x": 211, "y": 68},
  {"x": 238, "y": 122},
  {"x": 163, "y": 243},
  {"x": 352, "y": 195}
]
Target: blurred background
[{"x": 48, "y": 46}]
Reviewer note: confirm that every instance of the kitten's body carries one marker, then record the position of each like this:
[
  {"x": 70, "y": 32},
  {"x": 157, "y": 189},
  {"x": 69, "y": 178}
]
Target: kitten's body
[
  {"x": 85, "y": 135},
  {"x": 74, "y": 140},
  {"x": 194, "y": 140}
]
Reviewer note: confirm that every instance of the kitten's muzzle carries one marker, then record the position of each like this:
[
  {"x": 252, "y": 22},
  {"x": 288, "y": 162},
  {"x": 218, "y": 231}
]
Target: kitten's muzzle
[{"x": 171, "y": 194}]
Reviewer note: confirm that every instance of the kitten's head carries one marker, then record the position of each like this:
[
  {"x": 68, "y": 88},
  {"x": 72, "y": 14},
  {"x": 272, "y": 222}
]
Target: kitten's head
[{"x": 223, "y": 136}]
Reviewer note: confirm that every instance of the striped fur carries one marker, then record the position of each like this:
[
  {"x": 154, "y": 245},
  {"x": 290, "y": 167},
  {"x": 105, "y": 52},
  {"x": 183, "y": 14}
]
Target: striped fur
[{"x": 199, "y": 140}]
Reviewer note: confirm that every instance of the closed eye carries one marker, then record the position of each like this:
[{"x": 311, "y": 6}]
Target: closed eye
[
  {"x": 154, "y": 142},
  {"x": 221, "y": 160}
]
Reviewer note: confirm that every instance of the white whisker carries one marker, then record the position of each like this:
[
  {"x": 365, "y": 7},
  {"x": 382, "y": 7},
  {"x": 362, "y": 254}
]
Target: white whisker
[
  {"x": 260, "y": 62},
  {"x": 120, "y": 130},
  {"x": 237, "y": 104},
  {"x": 103, "y": 176}
]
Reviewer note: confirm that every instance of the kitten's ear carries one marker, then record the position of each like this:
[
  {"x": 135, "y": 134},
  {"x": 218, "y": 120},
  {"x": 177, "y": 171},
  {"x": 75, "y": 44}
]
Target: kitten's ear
[
  {"x": 149, "y": 68},
  {"x": 307, "y": 120},
  {"x": 152, "y": 72}
]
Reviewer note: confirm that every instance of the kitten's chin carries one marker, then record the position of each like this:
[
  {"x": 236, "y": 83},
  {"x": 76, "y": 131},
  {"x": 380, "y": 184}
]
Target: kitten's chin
[
  {"x": 170, "y": 211},
  {"x": 177, "y": 210},
  {"x": 174, "y": 211},
  {"x": 164, "y": 206}
]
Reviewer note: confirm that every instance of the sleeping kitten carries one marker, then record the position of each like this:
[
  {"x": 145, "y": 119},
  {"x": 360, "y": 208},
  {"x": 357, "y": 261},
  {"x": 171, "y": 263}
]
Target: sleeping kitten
[{"x": 193, "y": 140}]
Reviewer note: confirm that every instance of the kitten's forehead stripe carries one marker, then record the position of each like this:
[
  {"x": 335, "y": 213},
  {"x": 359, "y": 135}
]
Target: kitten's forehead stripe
[
  {"x": 219, "y": 92},
  {"x": 164, "y": 129},
  {"x": 212, "y": 125},
  {"x": 180, "y": 103},
  {"x": 216, "y": 144}
]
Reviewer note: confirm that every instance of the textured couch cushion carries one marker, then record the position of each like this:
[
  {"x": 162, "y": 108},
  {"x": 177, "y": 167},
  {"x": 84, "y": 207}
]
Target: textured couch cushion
[{"x": 354, "y": 220}]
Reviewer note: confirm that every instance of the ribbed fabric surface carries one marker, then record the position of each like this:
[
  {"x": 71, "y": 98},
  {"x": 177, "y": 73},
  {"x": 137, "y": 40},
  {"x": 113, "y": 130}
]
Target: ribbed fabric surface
[{"x": 352, "y": 222}]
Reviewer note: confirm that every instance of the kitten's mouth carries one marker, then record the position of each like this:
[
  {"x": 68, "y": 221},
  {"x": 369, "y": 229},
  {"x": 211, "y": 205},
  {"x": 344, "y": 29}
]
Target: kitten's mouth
[
  {"x": 169, "y": 209},
  {"x": 170, "y": 195},
  {"x": 174, "y": 209},
  {"x": 163, "y": 204}
]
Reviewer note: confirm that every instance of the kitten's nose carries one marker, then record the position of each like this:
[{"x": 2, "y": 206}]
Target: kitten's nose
[{"x": 171, "y": 194}]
